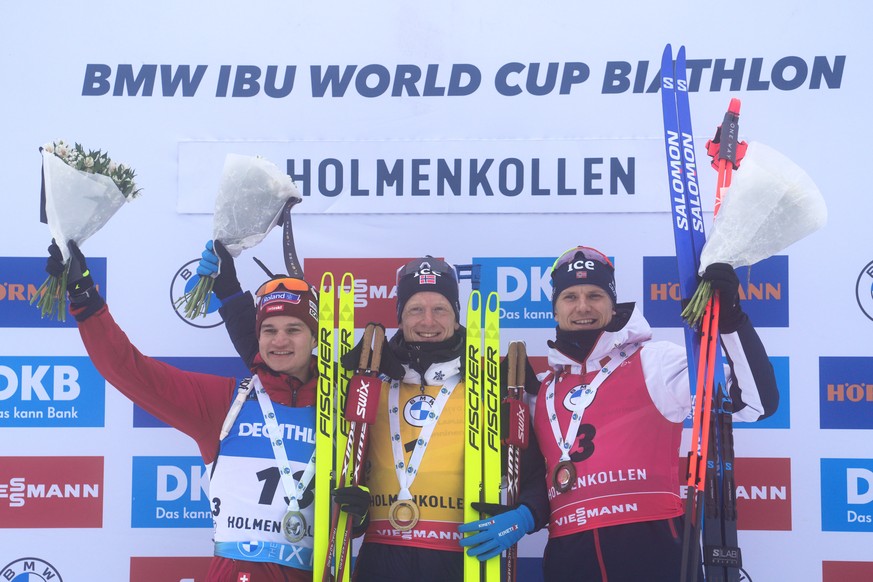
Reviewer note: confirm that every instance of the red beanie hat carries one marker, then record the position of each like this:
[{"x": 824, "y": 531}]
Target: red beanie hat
[{"x": 288, "y": 296}]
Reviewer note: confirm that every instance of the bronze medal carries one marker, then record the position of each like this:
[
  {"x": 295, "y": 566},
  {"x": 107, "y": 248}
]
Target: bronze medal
[
  {"x": 403, "y": 514},
  {"x": 564, "y": 476},
  {"x": 294, "y": 526}
]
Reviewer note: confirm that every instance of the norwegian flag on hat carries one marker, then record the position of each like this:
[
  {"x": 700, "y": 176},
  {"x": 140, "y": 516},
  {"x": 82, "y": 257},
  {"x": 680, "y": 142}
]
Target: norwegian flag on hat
[{"x": 428, "y": 279}]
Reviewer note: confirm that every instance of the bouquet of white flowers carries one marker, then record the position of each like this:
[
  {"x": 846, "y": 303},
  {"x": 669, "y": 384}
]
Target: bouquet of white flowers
[
  {"x": 83, "y": 190},
  {"x": 251, "y": 196},
  {"x": 771, "y": 204}
]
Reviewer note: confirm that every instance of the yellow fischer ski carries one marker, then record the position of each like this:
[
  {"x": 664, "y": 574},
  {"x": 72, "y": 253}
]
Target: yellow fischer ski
[
  {"x": 346, "y": 341},
  {"x": 324, "y": 420},
  {"x": 491, "y": 473},
  {"x": 473, "y": 432}
]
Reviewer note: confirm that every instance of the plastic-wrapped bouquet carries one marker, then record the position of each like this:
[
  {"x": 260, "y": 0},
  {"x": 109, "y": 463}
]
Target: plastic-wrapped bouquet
[
  {"x": 83, "y": 190},
  {"x": 771, "y": 204},
  {"x": 252, "y": 193}
]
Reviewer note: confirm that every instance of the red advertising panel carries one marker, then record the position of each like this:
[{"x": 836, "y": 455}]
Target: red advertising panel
[
  {"x": 846, "y": 571},
  {"x": 763, "y": 489},
  {"x": 169, "y": 569},
  {"x": 51, "y": 492}
]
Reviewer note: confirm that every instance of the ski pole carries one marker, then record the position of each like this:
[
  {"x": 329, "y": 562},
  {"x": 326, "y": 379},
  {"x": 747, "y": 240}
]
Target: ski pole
[
  {"x": 362, "y": 386},
  {"x": 362, "y": 411},
  {"x": 517, "y": 437},
  {"x": 726, "y": 151}
]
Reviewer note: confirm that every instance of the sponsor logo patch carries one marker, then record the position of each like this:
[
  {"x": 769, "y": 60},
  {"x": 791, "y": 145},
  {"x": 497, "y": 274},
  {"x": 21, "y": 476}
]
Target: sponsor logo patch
[
  {"x": 375, "y": 285},
  {"x": 845, "y": 392},
  {"x": 30, "y": 570},
  {"x": 847, "y": 495},
  {"x": 39, "y": 391},
  {"x": 763, "y": 292},
  {"x": 170, "y": 492},
  {"x": 171, "y": 569},
  {"x": 21, "y": 277},
  {"x": 763, "y": 492},
  {"x": 51, "y": 492},
  {"x": 183, "y": 282},
  {"x": 864, "y": 290},
  {"x": 418, "y": 410}
]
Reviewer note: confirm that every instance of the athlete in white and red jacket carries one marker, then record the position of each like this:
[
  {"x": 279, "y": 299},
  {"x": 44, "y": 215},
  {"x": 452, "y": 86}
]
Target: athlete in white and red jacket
[{"x": 602, "y": 468}]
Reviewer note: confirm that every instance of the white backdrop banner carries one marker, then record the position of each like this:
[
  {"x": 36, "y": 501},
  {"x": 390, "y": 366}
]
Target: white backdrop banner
[
  {"x": 494, "y": 133},
  {"x": 444, "y": 176}
]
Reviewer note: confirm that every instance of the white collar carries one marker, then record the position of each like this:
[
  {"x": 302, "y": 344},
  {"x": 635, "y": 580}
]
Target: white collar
[{"x": 436, "y": 375}]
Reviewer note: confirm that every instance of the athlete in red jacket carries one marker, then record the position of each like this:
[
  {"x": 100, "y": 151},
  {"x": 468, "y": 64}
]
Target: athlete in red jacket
[{"x": 260, "y": 535}]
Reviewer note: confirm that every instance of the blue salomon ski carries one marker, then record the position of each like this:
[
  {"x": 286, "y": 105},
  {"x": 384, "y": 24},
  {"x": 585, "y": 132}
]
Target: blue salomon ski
[{"x": 689, "y": 237}]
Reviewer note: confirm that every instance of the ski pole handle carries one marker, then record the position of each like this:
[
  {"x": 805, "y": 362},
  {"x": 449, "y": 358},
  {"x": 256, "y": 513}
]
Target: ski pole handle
[
  {"x": 726, "y": 146},
  {"x": 518, "y": 412},
  {"x": 512, "y": 365},
  {"x": 366, "y": 348},
  {"x": 521, "y": 367}
]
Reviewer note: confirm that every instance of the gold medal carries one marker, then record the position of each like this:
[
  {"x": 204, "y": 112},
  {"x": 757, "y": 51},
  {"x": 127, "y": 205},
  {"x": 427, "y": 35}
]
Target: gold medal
[
  {"x": 294, "y": 526},
  {"x": 403, "y": 514},
  {"x": 564, "y": 476}
]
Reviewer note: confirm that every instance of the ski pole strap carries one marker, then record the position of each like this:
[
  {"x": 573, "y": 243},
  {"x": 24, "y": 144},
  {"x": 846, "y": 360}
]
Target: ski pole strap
[
  {"x": 245, "y": 387},
  {"x": 292, "y": 263},
  {"x": 518, "y": 424},
  {"x": 362, "y": 401}
]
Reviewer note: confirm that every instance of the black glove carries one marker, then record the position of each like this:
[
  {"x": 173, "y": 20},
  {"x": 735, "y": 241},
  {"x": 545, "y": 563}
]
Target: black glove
[
  {"x": 354, "y": 500},
  {"x": 389, "y": 365},
  {"x": 724, "y": 279},
  {"x": 226, "y": 282},
  {"x": 84, "y": 298}
]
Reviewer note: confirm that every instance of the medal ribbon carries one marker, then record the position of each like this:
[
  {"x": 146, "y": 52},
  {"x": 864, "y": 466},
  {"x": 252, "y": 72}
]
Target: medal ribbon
[
  {"x": 589, "y": 391},
  {"x": 406, "y": 474},
  {"x": 294, "y": 490},
  {"x": 242, "y": 395}
]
